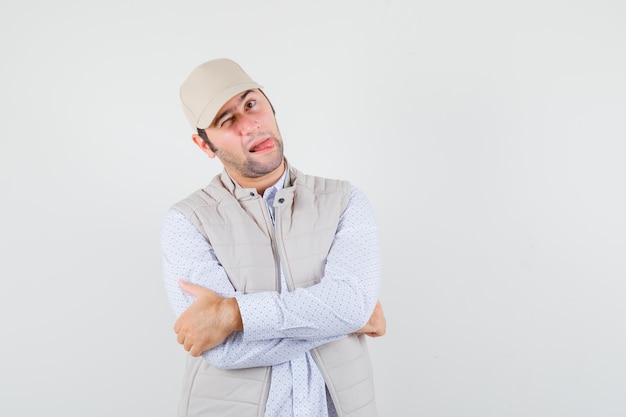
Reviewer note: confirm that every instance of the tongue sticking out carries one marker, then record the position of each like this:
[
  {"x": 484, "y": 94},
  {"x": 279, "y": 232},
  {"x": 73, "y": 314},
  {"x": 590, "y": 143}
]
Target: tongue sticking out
[{"x": 262, "y": 146}]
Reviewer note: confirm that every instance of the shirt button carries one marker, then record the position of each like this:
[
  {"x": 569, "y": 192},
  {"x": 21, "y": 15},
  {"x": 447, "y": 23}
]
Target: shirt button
[
  {"x": 281, "y": 200},
  {"x": 251, "y": 194}
]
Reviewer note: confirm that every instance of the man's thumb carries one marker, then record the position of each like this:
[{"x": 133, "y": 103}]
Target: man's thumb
[{"x": 191, "y": 289}]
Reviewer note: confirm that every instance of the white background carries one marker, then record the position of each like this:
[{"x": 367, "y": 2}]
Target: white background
[{"x": 489, "y": 135}]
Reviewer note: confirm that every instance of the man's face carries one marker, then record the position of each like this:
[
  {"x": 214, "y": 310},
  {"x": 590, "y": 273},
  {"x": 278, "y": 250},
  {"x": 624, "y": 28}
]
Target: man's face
[{"x": 245, "y": 136}]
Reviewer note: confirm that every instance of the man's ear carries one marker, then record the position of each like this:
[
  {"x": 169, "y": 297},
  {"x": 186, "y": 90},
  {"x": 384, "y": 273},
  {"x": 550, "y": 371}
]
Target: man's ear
[{"x": 204, "y": 147}]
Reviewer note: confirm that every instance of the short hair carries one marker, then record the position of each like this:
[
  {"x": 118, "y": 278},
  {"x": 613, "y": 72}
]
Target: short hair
[{"x": 205, "y": 138}]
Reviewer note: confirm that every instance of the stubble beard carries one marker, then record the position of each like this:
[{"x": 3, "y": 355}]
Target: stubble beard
[
  {"x": 251, "y": 168},
  {"x": 256, "y": 169}
]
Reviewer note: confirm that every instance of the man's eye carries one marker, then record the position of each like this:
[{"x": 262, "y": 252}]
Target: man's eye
[
  {"x": 250, "y": 104},
  {"x": 225, "y": 122}
]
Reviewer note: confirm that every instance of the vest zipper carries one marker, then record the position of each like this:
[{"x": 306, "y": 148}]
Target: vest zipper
[
  {"x": 290, "y": 285},
  {"x": 269, "y": 222}
]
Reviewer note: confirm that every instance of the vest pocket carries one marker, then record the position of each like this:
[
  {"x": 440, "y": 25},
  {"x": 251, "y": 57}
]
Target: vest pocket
[{"x": 224, "y": 392}]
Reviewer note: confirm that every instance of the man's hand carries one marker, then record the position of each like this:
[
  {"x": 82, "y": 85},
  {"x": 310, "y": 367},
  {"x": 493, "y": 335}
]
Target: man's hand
[
  {"x": 208, "y": 321},
  {"x": 376, "y": 325}
]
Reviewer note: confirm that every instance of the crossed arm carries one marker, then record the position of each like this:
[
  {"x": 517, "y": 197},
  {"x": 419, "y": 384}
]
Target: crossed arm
[
  {"x": 233, "y": 330},
  {"x": 211, "y": 319}
]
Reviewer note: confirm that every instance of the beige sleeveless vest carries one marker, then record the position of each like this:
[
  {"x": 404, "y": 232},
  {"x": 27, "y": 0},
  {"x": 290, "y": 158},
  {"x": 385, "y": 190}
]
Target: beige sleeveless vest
[{"x": 238, "y": 226}]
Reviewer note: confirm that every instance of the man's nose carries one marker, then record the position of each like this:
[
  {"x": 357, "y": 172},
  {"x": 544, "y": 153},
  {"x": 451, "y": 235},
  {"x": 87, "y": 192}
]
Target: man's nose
[{"x": 248, "y": 125}]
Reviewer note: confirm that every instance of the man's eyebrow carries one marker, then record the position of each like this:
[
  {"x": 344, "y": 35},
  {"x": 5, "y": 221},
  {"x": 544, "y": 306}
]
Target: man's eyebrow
[{"x": 226, "y": 112}]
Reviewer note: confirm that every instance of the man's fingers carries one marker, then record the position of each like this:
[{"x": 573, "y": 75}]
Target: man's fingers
[
  {"x": 207, "y": 321},
  {"x": 180, "y": 338},
  {"x": 194, "y": 351}
]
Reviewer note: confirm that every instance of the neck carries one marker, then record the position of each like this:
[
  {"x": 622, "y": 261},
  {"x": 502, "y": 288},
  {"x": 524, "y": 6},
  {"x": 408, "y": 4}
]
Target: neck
[{"x": 259, "y": 183}]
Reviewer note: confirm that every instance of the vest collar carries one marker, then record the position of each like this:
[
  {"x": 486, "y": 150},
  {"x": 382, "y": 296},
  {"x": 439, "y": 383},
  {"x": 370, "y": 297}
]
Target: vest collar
[{"x": 240, "y": 192}]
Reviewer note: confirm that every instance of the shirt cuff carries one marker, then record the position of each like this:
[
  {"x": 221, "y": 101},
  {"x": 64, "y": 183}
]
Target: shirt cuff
[{"x": 260, "y": 315}]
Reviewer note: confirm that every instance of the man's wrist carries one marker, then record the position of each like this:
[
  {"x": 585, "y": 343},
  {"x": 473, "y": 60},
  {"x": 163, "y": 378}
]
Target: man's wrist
[{"x": 232, "y": 314}]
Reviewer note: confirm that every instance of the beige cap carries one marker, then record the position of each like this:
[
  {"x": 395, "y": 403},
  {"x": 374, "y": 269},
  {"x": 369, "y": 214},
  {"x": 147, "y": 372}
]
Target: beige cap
[{"x": 209, "y": 86}]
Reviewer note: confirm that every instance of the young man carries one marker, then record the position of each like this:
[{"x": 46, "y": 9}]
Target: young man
[{"x": 274, "y": 275}]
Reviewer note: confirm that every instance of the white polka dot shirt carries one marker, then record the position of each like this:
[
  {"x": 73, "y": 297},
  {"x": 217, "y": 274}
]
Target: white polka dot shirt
[{"x": 280, "y": 328}]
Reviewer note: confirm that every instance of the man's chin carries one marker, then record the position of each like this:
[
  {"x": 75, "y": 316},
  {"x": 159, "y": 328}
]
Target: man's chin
[{"x": 258, "y": 169}]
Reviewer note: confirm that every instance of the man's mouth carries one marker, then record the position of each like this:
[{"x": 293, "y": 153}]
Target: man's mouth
[{"x": 264, "y": 145}]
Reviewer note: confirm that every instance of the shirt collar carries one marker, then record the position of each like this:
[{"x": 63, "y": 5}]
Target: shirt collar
[{"x": 270, "y": 192}]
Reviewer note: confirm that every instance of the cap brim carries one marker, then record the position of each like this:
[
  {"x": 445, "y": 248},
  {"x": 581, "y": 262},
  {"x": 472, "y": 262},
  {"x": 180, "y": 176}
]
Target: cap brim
[{"x": 210, "y": 111}]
